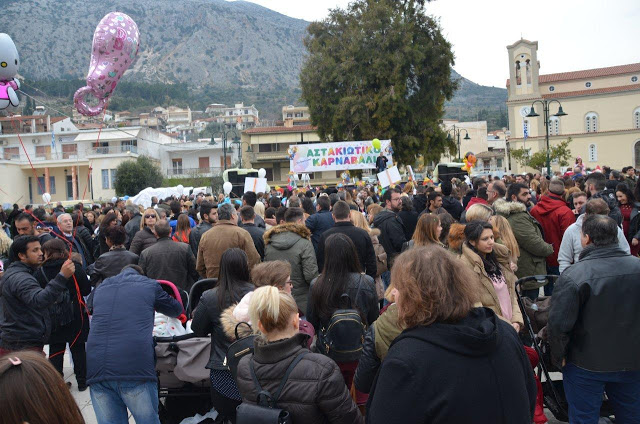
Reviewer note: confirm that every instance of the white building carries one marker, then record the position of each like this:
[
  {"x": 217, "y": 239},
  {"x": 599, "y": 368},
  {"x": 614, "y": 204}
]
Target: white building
[{"x": 239, "y": 117}]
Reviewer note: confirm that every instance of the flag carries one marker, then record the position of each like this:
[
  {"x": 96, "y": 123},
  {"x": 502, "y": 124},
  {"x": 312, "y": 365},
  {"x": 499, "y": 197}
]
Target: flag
[
  {"x": 53, "y": 140},
  {"x": 526, "y": 131}
]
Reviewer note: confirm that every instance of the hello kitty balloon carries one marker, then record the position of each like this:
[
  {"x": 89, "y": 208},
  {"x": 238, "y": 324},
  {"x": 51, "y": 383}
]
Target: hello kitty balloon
[
  {"x": 9, "y": 64},
  {"x": 115, "y": 46}
]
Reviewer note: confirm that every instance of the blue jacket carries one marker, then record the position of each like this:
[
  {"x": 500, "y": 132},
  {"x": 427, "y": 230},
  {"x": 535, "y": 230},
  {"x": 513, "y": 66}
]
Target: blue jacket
[
  {"x": 120, "y": 344},
  {"x": 318, "y": 223}
]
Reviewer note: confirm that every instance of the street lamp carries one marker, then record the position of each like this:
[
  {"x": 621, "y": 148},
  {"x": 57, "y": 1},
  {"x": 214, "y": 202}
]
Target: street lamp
[
  {"x": 456, "y": 133},
  {"x": 545, "y": 109},
  {"x": 224, "y": 135}
]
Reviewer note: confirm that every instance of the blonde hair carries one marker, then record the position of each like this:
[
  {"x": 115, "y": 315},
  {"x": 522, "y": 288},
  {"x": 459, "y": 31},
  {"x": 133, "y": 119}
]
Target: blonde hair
[
  {"x": 148, "y": 210},
  {"x": 358, "y": 220},
  {"x": 505, "y": 234},
  {"x": 479, "y": 212},
  {"x": 272, "y": 308},
  {"x": 5, "y": 243},
  {"x": 259, "y": 208}
]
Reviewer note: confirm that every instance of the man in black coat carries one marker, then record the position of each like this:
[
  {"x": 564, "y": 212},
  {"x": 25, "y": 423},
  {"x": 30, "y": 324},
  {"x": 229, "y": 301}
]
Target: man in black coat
[
  {"x": 26, "y": 323},
  {"x": 450, "y": 204},
  {"x": 594, "y": 326},
  {"x": 208, "y": 217},
  {"x": 248, "y": 217},
  {"x": 169, "y": 260},
  {"x": 320, "y": 221},
  {"x": 360, "y": 238},
  {"x": 390, "y": 225},
  {"x": 381, "y": 162},
  {"x": 250, "y": 199}
]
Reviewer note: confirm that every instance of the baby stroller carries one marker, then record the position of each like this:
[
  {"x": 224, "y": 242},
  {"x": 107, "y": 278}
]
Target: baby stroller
[
  {"x": 183, "y": 381},
  {"x": 535, "y": 316}
]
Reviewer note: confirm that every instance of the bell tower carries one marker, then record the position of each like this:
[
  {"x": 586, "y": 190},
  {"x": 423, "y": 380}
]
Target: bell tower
[{"x": 523, "y": 69}]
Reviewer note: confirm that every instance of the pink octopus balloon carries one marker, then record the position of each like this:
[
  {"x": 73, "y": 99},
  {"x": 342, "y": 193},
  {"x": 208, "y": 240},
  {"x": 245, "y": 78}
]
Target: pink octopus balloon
[{"x": 115, "y": 46}]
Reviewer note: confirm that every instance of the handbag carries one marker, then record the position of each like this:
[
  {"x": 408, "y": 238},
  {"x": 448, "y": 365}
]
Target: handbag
[
  {"x": 266, "y": 410},
  {"x": 238, "y": 350}
]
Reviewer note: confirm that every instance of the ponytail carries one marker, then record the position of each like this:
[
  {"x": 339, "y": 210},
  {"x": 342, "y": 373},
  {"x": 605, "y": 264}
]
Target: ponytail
[{"x": 272, "y": 308}]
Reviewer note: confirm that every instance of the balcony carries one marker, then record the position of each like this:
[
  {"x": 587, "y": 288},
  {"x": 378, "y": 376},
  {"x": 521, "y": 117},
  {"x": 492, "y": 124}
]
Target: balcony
[
  {"x": 193, "y": 172},
  {"x": 271, "y": 156},
  {"x": 113, "y": 150}
]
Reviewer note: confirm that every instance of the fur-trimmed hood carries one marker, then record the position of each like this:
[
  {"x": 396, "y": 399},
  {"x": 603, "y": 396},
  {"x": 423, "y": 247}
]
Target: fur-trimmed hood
[
  {"x": 295, "y": 230},
  {"x": 229, "y": 323},
  {"x": 504, "y": 208}
]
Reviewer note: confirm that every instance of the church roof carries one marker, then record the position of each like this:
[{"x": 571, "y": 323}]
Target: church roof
[{"x": 588, "y": 73}]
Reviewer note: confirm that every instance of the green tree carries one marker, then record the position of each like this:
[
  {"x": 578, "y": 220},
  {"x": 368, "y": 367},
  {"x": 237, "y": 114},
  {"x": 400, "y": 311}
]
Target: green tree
[
  {"x": 380, "y": 69},
  {"x": 134, "y": 176},
  {"x": 559, "y": 153},
  {"x": 29, "y": 107}
]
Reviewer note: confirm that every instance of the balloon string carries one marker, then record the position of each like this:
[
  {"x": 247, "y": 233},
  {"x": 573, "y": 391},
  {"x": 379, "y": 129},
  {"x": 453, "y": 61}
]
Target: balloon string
[{"x": 31, "y": 165}]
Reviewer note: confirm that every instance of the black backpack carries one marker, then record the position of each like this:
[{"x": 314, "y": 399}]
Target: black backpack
[
  {"x": 238, "y": 350},
  {"x": 266, "y": 411},
  {"x": 61, "y": 312},
  {"x": 342, "y": 338}
]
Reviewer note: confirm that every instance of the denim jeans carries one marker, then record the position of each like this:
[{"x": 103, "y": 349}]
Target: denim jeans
[
  {"x": 584, "y": 390},
  {"x": 112, "y": 398}
]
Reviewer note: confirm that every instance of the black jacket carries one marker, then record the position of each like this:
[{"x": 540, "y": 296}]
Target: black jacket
[
  {"x": 362, "y": 241},
  {"x": 594, "y": 321},
  {"x": 257, "y": 235},
  {"x": 171, "y": 261},
  {"x": 132, "y": 227},
  {"x": 314, "y": 393},
  {"x": 410, "y": 221},
  {"x": 80, "y": 322},
  {"x": 391, "y": 233},
  {"x": 473, "y": 371},
  {"x": 25, "y": 322},
  {"x": 110, "y": 264},
  {"x": 259, "y": 222},
  {"x": 143, "y": 239},
  {"x": 609, "y": 196},
  {"x": 419, "y": 203},
  {"x": 318, "y": 223},
  {"x": 206, "y": 320},
  {"x": 196, "y": 235},
  {"x": 362, "y": 292},
  {"x": 85, "y": 235},
  {"x": 453, "y": 206}
]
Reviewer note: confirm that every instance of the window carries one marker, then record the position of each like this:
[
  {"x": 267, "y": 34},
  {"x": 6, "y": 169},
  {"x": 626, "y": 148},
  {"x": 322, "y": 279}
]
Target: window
[
  {"x": 263, "y": 148},
  {"x": 289, "y": 115},
  {"x": 203, "y": 163},
  {"x": 636, "y": 118},
  {"x": 52, "y": 185},
  {"x": 554, "y": 125},
  {"x": 102, "y": 148},
  {"x": 113, "y": 178},
  {"x": 11, "y": 153},
  {"x": 593, "y": 153},
  {"x": 591, "y": 122},
  {"x": 105, "y": 179},
  {"x": 69, "y": 151},
  {"x": 587, "y": 84},
  {"x": 499, "y": 162},
  {"x": 177, "y": 166},
  {"x": 551, "y": 88},
  {"x": 634, "y": 79},
  {"x": 43, "y": 152},
  {"x": 129, "y": 146},
  {"x": 228, "y": 161}
]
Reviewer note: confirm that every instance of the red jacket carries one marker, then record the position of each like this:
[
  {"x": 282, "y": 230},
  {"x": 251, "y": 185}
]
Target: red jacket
[
  {"x": 475, "y": 200},
  {"x": 554, "y": 216}
]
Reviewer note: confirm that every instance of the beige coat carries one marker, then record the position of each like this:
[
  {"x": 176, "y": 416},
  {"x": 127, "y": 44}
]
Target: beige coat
[
  {"x": 487, "y": 293},
  {"x": 214, "y": 242}
]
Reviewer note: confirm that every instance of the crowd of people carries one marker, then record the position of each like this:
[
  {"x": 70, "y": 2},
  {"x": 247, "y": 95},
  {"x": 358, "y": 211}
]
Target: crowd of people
[{"x": 389, "y": 306}]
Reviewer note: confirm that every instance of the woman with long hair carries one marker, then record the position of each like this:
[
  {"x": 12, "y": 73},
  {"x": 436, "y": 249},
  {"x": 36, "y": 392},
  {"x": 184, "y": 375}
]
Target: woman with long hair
[
  {"x": 427, "y": 232},
  {"x": 314, "y": 392},
  {"x": 32, "y": 391},
  {"x": 360, "y": 221},
  {"x": 69, "y": 319},
  {"x": 183, "y": 229},
  {"x": 408, "y": 216},
  {"x": 475, "y": 357},
  {"x": 478, "y": 212},
  {"x": 233, "y": 284},
  {"x": 110, "y": 220},
  {"x": 92, "y": 219},
  {"x": 503, "y": 234},
  {"x": 341, "y": 274},
  {"x": 446, "y": 220},
  {"x": 630, "y": 216},
  {"x": 147, "y": 236},
  {"x": 494, "y": 281}
]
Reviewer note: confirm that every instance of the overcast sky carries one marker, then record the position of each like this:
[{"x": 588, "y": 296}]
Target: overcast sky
[{"x": 571, "y": 34}]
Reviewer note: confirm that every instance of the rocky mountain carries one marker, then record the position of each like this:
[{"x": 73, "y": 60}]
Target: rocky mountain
[{"x": 214, "y": 46}]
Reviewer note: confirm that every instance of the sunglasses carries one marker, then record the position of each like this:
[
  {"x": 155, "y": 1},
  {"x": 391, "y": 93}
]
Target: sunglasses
[{"x": 149, "y": 216}]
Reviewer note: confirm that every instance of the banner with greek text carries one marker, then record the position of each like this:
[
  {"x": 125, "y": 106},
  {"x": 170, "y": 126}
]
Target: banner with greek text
[{"x": 337, "y": 156}]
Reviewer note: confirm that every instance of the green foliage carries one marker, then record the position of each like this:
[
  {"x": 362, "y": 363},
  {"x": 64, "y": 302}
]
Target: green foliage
[
  {"x": 380, "y": 69},
  {"x": 559, "y": 153},
  {"x": 134, "y": 176},
  {"x": 29, "y": 107}
]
